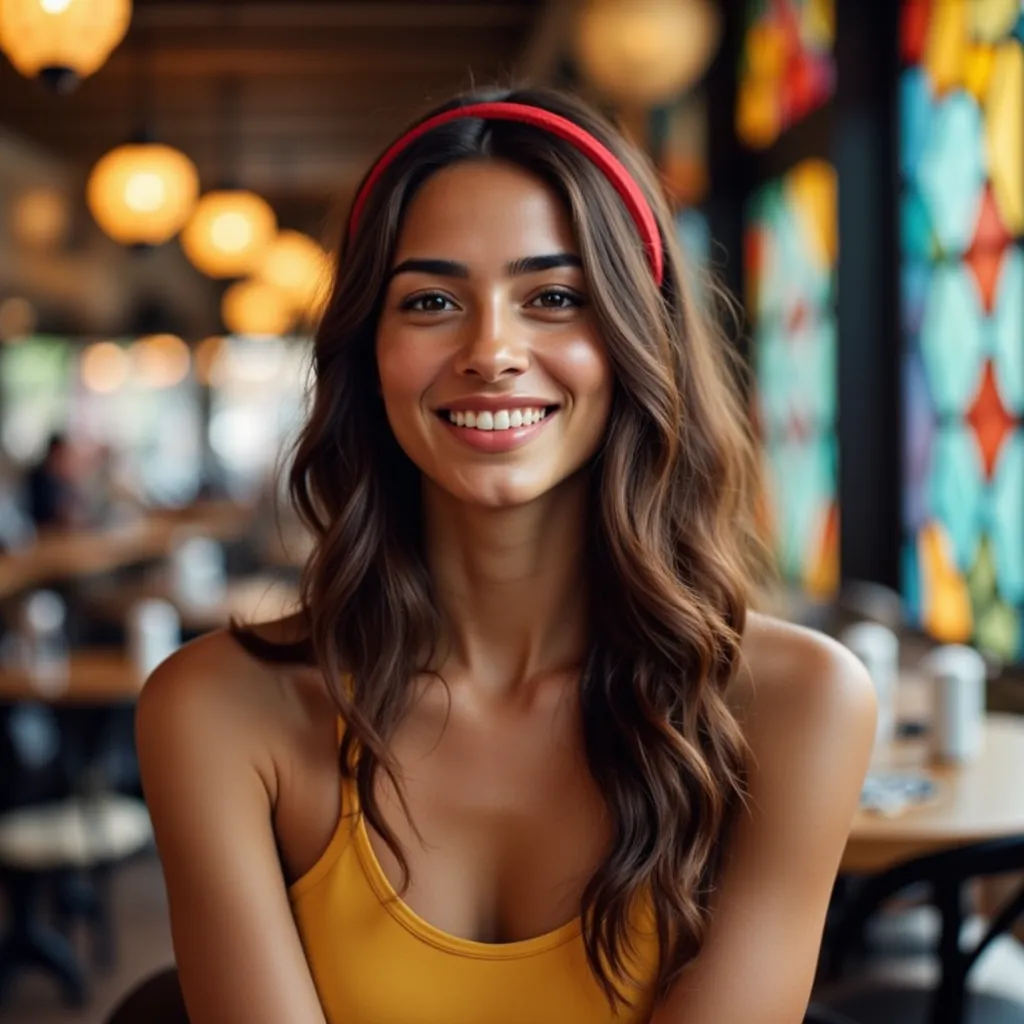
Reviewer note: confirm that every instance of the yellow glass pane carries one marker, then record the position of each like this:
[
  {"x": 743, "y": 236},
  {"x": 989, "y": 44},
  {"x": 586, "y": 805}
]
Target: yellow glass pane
[
  {"x": 978, "y": 64},
  {"x": 945, "y": 600},
  {"x": 758, "y": 116},
  {"x": 946, "y": 45},
  {"x": 812, "y": 187},
  {"x": 766, "y": 50},
  {"x": 992, "y": 20},
  {"x": 821, "y": 574},
  {"x": 1004, "y": 128}
]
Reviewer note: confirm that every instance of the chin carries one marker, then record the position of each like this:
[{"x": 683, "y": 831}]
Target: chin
[{"x": 491, "y": 490}]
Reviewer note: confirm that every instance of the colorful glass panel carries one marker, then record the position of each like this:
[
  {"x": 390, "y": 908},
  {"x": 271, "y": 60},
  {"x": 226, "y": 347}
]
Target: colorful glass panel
[
  {"x": 962, "y": 285},
  {"x": 787, "y": 67},
  {"x": 790, "y": 257}
]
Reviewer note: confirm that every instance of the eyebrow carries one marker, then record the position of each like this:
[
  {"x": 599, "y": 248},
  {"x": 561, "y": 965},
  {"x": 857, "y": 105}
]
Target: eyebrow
[{"x": 450, "y": 268}]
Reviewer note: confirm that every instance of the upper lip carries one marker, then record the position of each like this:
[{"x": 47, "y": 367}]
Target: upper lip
[{"x": 492, "y": 403}]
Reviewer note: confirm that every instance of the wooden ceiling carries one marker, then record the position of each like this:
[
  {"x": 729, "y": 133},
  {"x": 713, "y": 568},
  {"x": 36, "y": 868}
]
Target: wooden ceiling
[{"x": 290, "y": 98}]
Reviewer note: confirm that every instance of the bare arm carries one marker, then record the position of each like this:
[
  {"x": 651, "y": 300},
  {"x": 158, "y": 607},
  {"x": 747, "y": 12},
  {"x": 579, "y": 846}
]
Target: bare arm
[
  {"x": 209, "y": 790},
  {"x": 810, "y": 725}
]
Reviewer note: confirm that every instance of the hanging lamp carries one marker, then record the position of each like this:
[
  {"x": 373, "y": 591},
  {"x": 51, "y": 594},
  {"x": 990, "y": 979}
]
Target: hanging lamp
[
  {"x": 644, "y": 53},
  {"x": 142, "y": 192},
  {"x": 253, "y": 307},
  {"x": 231, "y": 227},
  {"x": 62, "y": 41},
  {"x": 298, "y": 267}
]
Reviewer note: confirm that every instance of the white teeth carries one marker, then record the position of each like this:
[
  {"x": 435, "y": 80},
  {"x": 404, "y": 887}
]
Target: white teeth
[{"x": 501, "y": 419}]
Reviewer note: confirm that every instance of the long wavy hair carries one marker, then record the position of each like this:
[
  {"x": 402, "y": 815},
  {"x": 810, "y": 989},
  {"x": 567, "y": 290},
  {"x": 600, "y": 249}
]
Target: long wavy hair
[{"x": 671, "y": 541}]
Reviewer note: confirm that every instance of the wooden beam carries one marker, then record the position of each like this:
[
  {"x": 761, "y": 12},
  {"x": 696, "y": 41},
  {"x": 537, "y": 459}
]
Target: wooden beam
[{"x": 367, "y": 14}]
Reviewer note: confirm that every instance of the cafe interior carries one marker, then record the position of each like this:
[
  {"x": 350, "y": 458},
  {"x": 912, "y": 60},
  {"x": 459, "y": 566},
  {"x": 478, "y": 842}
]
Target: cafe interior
[{"x": 172, "y": 177}]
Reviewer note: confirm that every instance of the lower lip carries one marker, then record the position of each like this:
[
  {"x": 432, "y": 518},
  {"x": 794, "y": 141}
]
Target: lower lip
[{"x": 497, "y": 440}]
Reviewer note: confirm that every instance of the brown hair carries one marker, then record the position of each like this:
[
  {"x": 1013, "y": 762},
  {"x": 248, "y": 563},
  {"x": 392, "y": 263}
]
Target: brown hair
[{"x": 670, "y": 544}]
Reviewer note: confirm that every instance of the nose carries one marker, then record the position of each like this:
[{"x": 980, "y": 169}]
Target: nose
[{"x": 495, "y": 346}]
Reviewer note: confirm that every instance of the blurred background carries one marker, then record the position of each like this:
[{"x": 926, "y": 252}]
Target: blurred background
[{"x": 172, "y": 178}]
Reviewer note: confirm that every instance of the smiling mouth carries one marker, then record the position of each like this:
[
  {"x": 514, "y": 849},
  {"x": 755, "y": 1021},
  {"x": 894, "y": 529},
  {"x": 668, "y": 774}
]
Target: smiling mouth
[{"x": 497, "y": 419}]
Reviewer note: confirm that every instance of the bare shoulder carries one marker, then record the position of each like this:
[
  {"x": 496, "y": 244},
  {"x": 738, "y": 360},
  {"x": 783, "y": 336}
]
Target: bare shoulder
[
  {"x": 787, "y": 664},
  {"x": 797, "y": 685},
  {"x": 211, "y": 692}
]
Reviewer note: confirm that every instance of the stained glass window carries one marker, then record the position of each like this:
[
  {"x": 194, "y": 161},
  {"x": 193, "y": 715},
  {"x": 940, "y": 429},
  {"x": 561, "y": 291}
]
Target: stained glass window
[
  {"x": 790, "y": 261},
  {"x": 787, "y": 66},
  {"x": 962, "y": 240}
]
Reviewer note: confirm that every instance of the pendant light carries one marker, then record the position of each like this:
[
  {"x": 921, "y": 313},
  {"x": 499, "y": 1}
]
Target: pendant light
[
  {"x": 62, "y": 41},
  {"x": 231, "y": 227},
  {"x": 253, "y": 307},
  {"x": 298, "y": 267},
  {"x": 644, "y": 53},
  {"x": 142, "y": 192}
]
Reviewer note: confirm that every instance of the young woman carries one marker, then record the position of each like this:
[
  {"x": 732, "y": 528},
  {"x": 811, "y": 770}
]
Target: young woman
[{"x": 524, "y": 756}]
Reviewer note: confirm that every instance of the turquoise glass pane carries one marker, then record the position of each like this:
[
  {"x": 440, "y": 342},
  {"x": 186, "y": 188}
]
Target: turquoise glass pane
[
  {"x": 916, "y": 238},
  {"x": 955, "y": 490},
  {"x": 953, "y": 338},
  {"x": 1007, "y": 331},
  {"x": 1006, "y": 515},
  {"x": 916, "y": 109},
  {"x": 951, "y": 173}
]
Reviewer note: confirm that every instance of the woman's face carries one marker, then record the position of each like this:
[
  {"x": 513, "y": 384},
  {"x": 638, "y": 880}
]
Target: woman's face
[{"x": 494, "y": 378}]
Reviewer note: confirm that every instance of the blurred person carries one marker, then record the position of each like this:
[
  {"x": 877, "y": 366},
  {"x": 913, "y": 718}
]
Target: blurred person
[
  {"x": 109, "y": 494},
  {"x": 52, "y": 486},
  {"x": 525, "y": 754}
]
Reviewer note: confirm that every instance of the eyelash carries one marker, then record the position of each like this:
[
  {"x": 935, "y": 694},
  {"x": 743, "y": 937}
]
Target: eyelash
[{"x": 573, "y": 300}]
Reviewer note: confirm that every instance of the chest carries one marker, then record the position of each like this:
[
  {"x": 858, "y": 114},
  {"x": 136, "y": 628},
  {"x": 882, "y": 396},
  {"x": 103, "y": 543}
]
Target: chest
[{"x": 507, "y": 826}]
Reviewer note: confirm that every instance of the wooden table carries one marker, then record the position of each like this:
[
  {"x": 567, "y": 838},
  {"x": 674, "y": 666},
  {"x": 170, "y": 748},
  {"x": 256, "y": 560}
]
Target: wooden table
[
  {"x": 94, "y": 677},
  {"x": 977, "y": 801},
  {"x": 67, "y": 554}
]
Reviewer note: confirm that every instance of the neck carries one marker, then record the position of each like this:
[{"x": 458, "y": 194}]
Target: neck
[{"x": 511, "y": 584}]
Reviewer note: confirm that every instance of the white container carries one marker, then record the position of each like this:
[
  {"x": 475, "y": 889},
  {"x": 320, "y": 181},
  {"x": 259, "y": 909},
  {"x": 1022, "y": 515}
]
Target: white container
[
  {"x": 198, "y": 571},
  {"x": 878, "y": 648},
  {"x": 154, "y": 634},
  {"x": 44, "y": 641},
  {"x": 957, "y": 677}
]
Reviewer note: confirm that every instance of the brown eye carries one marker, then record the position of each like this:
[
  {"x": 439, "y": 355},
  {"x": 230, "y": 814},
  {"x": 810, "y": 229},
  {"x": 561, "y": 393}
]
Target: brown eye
[
  {"x": 557, "y": 298},
  {"x": 428, "y": 302}
]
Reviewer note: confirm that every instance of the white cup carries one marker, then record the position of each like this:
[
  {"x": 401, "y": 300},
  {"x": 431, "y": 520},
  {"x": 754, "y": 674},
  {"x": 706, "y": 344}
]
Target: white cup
[
  {"x": 154, "y": 634},
  {"x": 198, "y": 571},
  {"x": 957, "y": 676},
  {"x": 878, "y": 648},
  {"x": 44, "y": 641}
]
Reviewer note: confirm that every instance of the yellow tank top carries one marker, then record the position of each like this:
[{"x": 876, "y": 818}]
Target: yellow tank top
[{"x": 375, "y": 961}]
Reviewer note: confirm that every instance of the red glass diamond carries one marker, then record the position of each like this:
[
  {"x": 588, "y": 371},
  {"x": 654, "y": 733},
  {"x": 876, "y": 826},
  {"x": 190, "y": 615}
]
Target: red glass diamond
[
  {"x": 914, "y": 16},
  {"x": 989, "y": 419},
  {"x": 985, "y": 256}
]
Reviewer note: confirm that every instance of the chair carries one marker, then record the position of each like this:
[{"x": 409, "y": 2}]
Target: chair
[
  {"x": 821, "y": 1015},
  {"x": 50, "y": 836},
  {"x": 945, "y": 877},
  {"x": 156, "y": 1000}
]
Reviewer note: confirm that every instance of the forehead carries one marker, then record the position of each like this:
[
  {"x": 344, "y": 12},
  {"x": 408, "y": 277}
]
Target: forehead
[{"x": 481, "y": 211}]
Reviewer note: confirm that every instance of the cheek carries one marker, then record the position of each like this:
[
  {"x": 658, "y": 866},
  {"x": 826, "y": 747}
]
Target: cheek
[
  {"x": 585, "y": 370},
  {"x": 405, "y": 371}
]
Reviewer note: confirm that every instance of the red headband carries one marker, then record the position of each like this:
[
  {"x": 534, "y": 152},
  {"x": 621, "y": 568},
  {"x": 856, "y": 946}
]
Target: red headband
[{"x": 599, "y": 154}]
